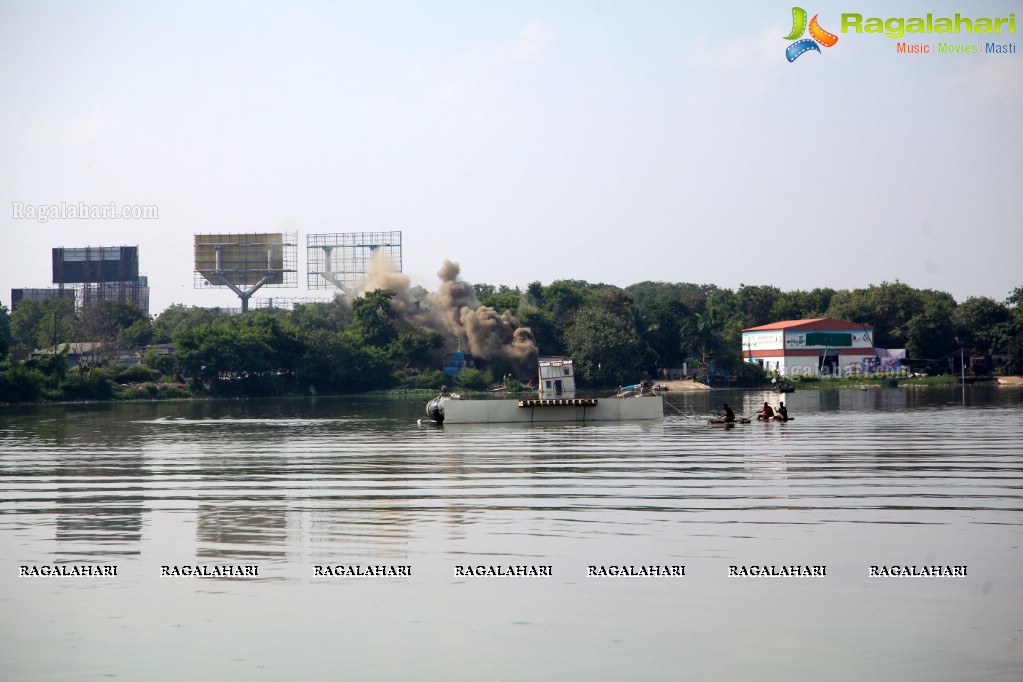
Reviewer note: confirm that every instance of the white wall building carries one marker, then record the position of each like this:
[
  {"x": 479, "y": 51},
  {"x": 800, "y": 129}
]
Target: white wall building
[{"x": 820, "y": 346}]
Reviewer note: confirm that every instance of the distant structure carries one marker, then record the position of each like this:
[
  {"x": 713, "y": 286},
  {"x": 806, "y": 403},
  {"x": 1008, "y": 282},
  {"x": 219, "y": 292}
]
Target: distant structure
[
  {"x": 284, "y": 303},
  {"x": 101, "y": 274},
  {"x": 819, "y": 346},
  {"x": 557, "y": 377},
  {"x": 245, "y": 263},
  {"x": 455, "y": 362},
  {"x": 340, "y": 260},
  {"x": 40, "y": 295}
]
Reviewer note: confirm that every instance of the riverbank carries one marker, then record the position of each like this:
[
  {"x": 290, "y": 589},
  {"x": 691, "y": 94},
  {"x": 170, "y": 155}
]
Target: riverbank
[
  {"x": 850, "y": 382},
  {"x": 683, "y": 385}
]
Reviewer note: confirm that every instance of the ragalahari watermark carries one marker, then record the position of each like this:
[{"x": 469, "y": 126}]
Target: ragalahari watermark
[{"x": 79, "y": 210}]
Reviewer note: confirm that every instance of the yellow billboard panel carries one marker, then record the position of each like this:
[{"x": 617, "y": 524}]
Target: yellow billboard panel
[{"x": 241, "y": 259}]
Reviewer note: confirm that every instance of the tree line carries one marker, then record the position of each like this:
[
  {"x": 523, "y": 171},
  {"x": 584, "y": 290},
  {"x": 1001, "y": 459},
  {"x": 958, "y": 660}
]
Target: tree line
[{"x": 616, "y": 335}]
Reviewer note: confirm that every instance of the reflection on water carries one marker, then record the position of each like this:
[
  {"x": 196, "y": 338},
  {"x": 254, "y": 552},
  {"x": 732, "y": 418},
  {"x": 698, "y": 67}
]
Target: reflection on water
[
  {"x": 261, "y": 478},
  {"x": 904, "y": 474}
]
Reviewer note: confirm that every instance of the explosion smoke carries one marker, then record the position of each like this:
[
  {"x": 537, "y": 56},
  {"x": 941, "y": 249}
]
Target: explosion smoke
[{"x": 453, "y": 308}]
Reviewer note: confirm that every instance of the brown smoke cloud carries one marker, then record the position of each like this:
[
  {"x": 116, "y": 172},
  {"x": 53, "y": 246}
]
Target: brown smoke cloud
[{"x": 453, "y": 308}]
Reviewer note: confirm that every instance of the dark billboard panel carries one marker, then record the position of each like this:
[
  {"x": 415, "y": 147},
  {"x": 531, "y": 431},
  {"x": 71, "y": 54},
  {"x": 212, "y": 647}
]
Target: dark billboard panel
[{"x": 95, "y": 265}]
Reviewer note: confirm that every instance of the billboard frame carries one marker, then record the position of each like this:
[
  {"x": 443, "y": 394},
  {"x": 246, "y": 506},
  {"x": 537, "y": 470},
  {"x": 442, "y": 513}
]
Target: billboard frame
[
  {"x": 245, "y": 262},
  {"x": 339, "y": 259}
]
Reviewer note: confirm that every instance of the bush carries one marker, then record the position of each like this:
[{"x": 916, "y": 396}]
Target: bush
[
  {"x": 171, "y": 392},
  {"x": 89, "y": 385},
  {"x": 750, "y": 374},
  {"x": 138, "y": 374},
  {"x": 19, "y": 383},
  {"x": 166, "y": 364},
  {"x": 53, "y": 366},
  {"x": 473, "y": 379},
  {"x": 128, "y": 393},
  {"x": 428, "y": 378}
]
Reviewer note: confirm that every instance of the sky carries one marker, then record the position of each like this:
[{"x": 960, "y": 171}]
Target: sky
[{"x": 614, "y": 142}]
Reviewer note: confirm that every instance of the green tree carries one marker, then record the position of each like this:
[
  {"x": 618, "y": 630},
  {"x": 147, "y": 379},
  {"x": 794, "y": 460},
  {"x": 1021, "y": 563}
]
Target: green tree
[
  {"x": 53, "y": 366},
  {"x": 20, "y": 382},
  {"x": 340, "y": 362},
  {"x": 113, "y": 325},
  {"x": 757, "y": 304},
  {"x": 888, "y": 308},
  {"x": 374, "y": 318},
  {"x": 534, "y": 294},
  {"x": 1008, "y": 342},
  {"x": 334, "y": 315},
  {"x": 501, "y": 298},
  {"x": 662, "y": 327},
  {"x": 246, "y": 353},
  {"x": 415, "y": 348},
  {"x": 1015, "y": 299},
  {"x": 88, "y": 384},
  {"x": 605, "y": 347},
  {"x": 547, "y": 333},
  {"x": 42, "y": 324},
  {"x": 750, "y": 374},
  {"x": 562, "y": 298},
  {"x": 177, "y": 317},
  {"x": 976, "y": 320},
  {"x": 4, "y": 331},
  {"x": 802, "y": 305},
  {"x": 137, "y": 335},
  {"x": 474, "y": 379},
  {"x": 167, "y": 365},
  {"x": 930, "y": 333}
]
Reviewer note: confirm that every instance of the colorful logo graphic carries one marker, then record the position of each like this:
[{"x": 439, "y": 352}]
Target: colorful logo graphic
[{"x": 817, "y": 35}]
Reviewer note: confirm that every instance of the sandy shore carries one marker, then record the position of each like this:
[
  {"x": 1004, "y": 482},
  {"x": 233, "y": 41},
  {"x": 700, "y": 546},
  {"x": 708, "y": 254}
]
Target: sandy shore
[{"x": 680, "y": 385}]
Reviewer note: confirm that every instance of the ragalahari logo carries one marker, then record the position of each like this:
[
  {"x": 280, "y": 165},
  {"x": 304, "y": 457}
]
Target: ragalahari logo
[{"x": 817, "y": 35}]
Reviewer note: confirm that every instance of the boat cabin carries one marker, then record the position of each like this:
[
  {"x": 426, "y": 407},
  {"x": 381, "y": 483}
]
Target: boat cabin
[{"x": 557, "y": 377}]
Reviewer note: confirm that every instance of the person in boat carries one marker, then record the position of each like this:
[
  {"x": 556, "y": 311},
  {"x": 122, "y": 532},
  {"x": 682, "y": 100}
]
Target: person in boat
[
  {"x": 766, "y": 414},
  {"x": 783, "y": 412},
  {"x": 727, "y": 413}
]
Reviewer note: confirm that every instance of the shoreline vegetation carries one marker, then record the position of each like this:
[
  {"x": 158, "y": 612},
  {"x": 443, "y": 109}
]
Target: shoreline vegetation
[
  {"x": 399, "y": 338},
  {"x": 178, "y": 392}
]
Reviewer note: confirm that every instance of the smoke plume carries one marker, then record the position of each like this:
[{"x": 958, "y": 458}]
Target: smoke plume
[{"x": 453, "y": 308}]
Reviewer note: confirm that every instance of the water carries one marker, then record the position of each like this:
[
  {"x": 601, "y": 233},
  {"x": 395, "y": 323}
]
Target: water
[{"x": 883, "y": 477}]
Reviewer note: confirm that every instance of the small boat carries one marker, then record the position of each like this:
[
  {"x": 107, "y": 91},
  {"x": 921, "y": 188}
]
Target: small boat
[
  {"x": 721, "y": 422},
  {"x": 556, "y": 402}
]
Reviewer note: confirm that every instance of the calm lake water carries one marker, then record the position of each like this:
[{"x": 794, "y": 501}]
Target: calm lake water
[{"x": 885, "y": 477}]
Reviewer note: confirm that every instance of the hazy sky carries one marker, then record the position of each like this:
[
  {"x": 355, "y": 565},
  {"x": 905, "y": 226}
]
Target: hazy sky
[{"x": 606, "y": 141}]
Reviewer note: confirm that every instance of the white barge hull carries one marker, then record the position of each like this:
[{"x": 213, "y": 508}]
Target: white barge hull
[{"x": 456, "y": 411}]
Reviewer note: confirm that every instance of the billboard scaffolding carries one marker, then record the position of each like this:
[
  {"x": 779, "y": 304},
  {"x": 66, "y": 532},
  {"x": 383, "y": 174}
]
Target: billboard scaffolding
[
  {"x": 339, "y": 260},
  {"x": 245, "y": 263},
  {"x": 101, "y": 273}
]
